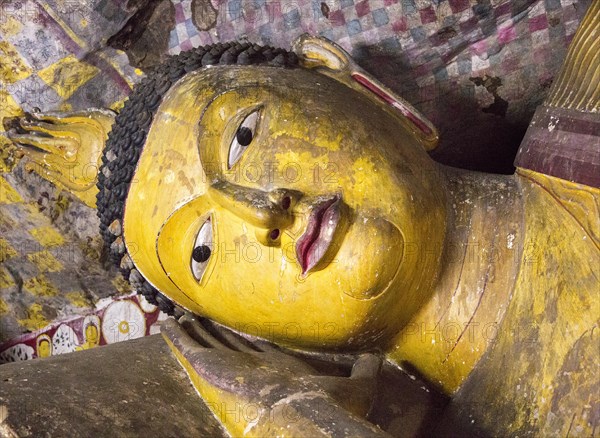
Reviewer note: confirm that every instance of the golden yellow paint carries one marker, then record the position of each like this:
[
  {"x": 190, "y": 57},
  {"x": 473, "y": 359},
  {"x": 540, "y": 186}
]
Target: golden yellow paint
[
  {"x": 45, "y": 261},
  {"x": 245, "y": 415},
  {"x": 577, "y": 86},
  {"x": 10, "y": 26},
  {"x": 40, "y": 286},
  {"x": 67, "y": 152},
  {"x": 212, "y": 396},
  {"x": 78, "y": 299},
  {"x": 47, "y": 236},
  {"x": 118, "y": 105},
  {"x": 184, "y": 175},
  {"x": 550, "y": 329},
  {"x": 454, "y": 328},
  {"x": 6, "y": 280},
  {"x": 8, "y": 195},
  {"x": 92, "y": 337},
  {"x": 121, "y": 285},
  {"x": 442, "y": 306},
  {"x": 8, "y": 108},
  {"x": 8, "y": 160},
  {"x": 582, "y": 202},
  {"x": 3, "y": 306},
  {"x": 67, "y": 75},
  {"x": 225, "y": 406},
  {"x": 44, "y": 347},
  {"x": 6, "y": 250},
  {"x": 124, "y": 327},
  {"x": 35, "y": 318},
  {"x": 416, "y": 269},
  {"x": 13, "y": 68}
]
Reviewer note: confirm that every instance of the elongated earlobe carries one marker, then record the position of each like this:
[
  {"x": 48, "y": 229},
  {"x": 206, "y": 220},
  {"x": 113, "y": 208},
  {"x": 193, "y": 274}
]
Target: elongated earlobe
[{"x": 318, "y": 52}]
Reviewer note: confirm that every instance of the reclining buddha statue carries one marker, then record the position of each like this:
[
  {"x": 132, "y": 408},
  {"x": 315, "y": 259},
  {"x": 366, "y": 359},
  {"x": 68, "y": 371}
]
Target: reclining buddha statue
[{"x": 290, "y": 197}]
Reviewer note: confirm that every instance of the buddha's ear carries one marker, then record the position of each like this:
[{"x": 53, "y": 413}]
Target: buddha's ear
[{"x": 318, "y": 52}]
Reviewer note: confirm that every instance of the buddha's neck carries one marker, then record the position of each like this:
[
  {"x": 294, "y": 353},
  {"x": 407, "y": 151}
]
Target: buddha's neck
[{"x": 479, "y": 267}]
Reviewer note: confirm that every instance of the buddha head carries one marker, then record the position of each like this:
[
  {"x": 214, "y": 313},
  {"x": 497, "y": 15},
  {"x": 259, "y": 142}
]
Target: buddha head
[
  {"x": 91, "y": 332},
  {"x": 44, "y": 346},
  {"x": 291, "y": 200}
]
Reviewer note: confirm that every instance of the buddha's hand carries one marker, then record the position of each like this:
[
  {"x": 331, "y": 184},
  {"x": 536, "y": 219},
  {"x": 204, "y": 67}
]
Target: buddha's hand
[
  {"x": 63, "y": 148},
  {"x": 255, "y": 389}
]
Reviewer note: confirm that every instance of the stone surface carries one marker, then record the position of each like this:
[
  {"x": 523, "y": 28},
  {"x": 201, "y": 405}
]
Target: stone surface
[
  {"x": 137, "y": 388},
  {"x": 145, "y": 35},
  {"x": 51, "y": 267},
  {"x": 133, "y": 388}
]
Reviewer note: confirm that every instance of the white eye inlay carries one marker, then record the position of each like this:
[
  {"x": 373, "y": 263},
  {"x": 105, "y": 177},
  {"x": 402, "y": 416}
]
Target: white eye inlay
[
  {"x": 202, "y": 250},
  {"x": 243, "y": 138}
]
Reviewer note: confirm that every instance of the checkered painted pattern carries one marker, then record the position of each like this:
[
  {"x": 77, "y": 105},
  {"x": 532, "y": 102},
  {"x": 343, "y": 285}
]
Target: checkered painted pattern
[
  {"x": 421, "y": 48},
  {"x": 412, "y": 45},
  {"x": 185, "y": 35},
  {"x": 44, "y": 274},
  {"x": 45, "y": 42}
]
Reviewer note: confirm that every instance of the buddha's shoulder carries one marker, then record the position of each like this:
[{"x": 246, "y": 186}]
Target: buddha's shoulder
[
  {"x": 549, "y": 334},
  {"x": 560, "y": 262},
  {"x": 561, "y": 203}
]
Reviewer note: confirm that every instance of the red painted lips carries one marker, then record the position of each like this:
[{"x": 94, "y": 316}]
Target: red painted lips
[{"x": 322, "y": 223}]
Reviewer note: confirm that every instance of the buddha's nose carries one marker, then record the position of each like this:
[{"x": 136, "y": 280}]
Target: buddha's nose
[{"x": 270, "y": 211}]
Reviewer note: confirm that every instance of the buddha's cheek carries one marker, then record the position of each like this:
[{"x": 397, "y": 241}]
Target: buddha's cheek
[{"x": 370, "y": 256}]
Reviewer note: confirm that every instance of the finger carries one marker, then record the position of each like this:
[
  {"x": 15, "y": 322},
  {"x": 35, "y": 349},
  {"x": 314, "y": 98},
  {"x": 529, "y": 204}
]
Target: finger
[
  {"x": 266, "y": 346},
  {"x": 73, "y": 116},
  {"x": 46, "y": 162},
  {"x": 174, "y": 332},
  {"x": 232, "y": 339},
  {"x": 366, "y": 367},
  {"x": 65, "y": 147},
  {"x": 198, "y": 332},
  {"x": 58, "y": 117},
  {"x": 46, "y": 128}
]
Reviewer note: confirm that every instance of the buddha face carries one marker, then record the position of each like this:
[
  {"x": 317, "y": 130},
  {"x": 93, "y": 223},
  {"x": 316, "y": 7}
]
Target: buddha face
[
  {"x": 91, "y": 334},
  {"x": 286, "y": 204},
  {"x": 44, "y": 348}
]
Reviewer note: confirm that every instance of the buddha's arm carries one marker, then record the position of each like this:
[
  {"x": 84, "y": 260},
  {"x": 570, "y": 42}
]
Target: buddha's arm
[
  {"x": 257, "y": 390},
  {"x": 64, "y": 148}
]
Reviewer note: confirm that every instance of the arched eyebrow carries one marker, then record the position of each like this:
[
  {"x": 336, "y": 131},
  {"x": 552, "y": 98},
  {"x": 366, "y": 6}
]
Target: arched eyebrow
[{"x": 214, "y": 156}]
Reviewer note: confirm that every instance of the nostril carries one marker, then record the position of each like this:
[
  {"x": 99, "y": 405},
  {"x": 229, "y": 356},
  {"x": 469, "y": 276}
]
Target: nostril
[
  {"x": 286, "y": 202},
  {"x": 273, "y": 235}
]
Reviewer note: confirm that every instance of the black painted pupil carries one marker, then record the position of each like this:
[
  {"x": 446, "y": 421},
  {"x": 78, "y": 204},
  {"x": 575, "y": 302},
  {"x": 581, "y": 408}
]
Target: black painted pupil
[
  {"x": 244, "y": 136},
  {"x": 201, "y": 253}
]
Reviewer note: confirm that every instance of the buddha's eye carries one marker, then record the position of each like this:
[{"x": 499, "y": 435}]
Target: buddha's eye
[
  {"x": 203, "y": 247},
  {"x": 243, "y": 137}
]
